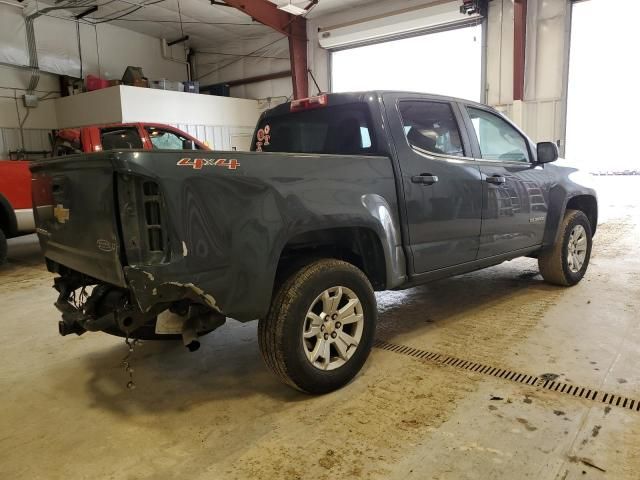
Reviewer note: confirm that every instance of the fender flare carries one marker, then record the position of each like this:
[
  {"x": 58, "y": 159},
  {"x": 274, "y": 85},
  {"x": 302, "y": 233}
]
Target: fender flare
[
  {"x": 389, "y": 236},
  {"x": 558, "y": 196},
  {"x": 376, "y": 217}
]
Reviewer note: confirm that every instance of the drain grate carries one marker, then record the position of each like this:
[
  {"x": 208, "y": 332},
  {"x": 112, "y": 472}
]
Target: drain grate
[{"x": 513, "y": 376}]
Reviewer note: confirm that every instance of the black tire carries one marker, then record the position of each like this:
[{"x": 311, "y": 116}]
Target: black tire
[
  {"x": 553, "y": 262},
  {"x": 280, "y": 333},
  {"x": 3, "y": 247}
]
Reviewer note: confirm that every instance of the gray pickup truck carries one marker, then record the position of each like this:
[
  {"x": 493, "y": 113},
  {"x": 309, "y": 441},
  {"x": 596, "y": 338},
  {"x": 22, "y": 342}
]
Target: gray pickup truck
[{"x": 376, "y": 191}]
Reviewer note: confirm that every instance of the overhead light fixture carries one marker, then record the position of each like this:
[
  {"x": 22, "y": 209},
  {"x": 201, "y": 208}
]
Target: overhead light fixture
[{"x": 292, "y": 9}]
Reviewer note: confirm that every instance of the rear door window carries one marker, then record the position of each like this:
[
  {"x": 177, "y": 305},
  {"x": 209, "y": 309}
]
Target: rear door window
[
  {"x": 338, "y": 130},
  {"x": 117, "y": 138},
  {"x": 431, "y": 126}
]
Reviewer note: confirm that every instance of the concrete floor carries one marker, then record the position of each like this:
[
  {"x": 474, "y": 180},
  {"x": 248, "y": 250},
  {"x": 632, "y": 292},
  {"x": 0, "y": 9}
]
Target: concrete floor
[{"x": 218, "y": 413}]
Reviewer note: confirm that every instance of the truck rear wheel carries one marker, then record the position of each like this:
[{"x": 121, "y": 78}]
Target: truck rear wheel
[
  {"x": 320, "y": 327},
  {"x": 3, "y": 247},
  {"x": 566, "y": 262}
]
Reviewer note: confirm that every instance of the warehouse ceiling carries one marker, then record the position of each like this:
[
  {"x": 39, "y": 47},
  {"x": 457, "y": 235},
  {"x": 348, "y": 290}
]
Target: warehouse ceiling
[{"x": 207, "y": 25}]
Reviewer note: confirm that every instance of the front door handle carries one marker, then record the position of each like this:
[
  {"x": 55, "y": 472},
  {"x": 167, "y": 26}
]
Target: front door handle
[
  {"x": 496, "y": 179},
  {"x": 425, "y": 179}
]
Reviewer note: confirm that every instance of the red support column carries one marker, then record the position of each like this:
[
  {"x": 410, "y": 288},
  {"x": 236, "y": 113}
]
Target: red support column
[
  {"x": 293, "y": 27},
  {"x": 298, "y": 57},
  {"x": 519, "y": 47}
]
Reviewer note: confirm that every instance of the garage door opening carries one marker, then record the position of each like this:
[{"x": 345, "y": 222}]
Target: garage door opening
[
  {"x": 446, "y": 63},
  {"x": 602, "y": 100}
]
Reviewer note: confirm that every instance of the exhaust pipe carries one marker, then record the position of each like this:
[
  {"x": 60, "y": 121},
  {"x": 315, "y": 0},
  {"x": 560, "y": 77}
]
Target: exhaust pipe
[
  {"x": 200, "y": 319},
  {"x": 65, "y": 329}
]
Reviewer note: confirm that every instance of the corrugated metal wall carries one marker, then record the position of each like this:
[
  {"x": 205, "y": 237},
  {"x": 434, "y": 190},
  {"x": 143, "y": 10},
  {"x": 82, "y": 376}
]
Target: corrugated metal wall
[
  {"x": 220, "y": 137},
  {"x": 548, "y": 24},
  {"x": 34, "y": 140}
]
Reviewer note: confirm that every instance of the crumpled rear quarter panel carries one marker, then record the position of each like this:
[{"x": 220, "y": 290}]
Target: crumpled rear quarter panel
[{"x": 228, "y": 226}]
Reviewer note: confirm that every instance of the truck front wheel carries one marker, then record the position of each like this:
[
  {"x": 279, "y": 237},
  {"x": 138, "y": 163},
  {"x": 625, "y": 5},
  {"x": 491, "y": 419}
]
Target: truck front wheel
[
  {"x": 320, "y": 327},
  {"x": 3, "y": 247},
  {"x": 566, "y": 262}
]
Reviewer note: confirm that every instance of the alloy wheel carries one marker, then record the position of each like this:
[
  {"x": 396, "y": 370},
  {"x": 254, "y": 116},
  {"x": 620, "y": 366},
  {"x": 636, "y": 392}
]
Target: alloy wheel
[
  {"x": 333, "y": 328},
  {"x": 577, "y": 248}
]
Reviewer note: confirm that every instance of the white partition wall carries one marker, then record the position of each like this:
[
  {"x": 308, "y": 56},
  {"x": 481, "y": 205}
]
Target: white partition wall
[
  {"x": 147, "y": 104},
  {"x": 221, "y": 122},
  {"x": 91, "y": 108}
]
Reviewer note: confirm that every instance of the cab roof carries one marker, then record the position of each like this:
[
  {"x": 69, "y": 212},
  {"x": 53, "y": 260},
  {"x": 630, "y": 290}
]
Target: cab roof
[{"x": 366, "y": 96}]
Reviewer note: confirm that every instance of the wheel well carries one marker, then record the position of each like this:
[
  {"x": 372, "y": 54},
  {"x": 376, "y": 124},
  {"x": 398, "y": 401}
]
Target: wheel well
[
  {"x": 356, "y": 245},
  {"x": 588, "y": 205},
  {"x": 7, "y": 219}
]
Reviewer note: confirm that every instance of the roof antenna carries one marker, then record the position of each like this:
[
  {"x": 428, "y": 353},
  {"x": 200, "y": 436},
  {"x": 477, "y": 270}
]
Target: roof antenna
[{"x": 314, "y": 81}]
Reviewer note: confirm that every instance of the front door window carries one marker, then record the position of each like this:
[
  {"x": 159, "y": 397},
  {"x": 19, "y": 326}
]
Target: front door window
[{"x": 498, "y": 140}]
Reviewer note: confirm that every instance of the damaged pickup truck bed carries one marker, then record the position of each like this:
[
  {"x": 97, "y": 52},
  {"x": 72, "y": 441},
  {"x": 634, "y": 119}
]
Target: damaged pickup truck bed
[{"x": 381, "y": 190}]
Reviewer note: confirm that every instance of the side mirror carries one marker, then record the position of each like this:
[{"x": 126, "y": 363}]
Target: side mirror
[
  {"x": 188, "y": 145},
  {"x": 547, "y": 152}
]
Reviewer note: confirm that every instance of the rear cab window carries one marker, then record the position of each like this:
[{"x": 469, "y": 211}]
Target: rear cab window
[
  {"x": 344, "y": 129},
  {"x": 116, "y": 138}
]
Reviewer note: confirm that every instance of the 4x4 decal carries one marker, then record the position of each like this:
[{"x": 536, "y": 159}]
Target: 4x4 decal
[{"x": 198, "y": 163}]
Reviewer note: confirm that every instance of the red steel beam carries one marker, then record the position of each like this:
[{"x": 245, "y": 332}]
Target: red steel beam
[
  {"x": 519, "y": 47},
  {"x": 264, "y": 12},
  {"x": 294, "y": 27},
  {"x": 298, "y": 58}
]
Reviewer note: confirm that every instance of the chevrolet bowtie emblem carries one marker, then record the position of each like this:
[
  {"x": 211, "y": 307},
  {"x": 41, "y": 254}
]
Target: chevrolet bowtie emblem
[{"x": 61, "y": 213}]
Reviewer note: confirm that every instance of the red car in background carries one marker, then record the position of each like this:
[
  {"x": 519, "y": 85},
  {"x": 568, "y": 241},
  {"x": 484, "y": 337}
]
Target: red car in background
[
  {"x": 148, "y": 136},
  {"x": 16, "y": 215}
]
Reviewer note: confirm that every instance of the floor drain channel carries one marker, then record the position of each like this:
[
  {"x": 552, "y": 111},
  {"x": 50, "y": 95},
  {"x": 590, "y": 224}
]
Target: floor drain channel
[{"x": 518, "y": 377}]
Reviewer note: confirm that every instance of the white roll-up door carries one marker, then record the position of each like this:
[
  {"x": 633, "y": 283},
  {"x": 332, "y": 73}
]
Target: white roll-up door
[
  {"x": 433, "y": 49},
  {"x": 437, "y": 15}
]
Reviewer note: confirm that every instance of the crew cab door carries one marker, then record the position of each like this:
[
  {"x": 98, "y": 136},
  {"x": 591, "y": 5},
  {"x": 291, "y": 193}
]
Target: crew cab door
[
  {"x": 442, "y": 187},
  {"x": 515, "y": 190}
]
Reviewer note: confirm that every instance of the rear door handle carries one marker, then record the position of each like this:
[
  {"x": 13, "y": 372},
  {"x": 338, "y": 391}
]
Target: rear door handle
[
  {"x": 496, "y": 179},
  {"x": 425, "y": 179}
]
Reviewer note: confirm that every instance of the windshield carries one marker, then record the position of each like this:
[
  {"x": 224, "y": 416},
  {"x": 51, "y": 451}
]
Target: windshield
[
  {"x": 164, "y": 139},
  {"x": 342, "y": 130}
]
